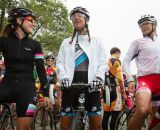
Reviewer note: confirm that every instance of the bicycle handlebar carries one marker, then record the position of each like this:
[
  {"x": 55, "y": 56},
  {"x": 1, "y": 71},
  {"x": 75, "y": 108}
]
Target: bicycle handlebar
[{"x": 80, "y": 85}]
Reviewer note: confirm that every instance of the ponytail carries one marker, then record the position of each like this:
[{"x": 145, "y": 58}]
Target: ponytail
[
  {"x": 7, "y": 30},
  {"x": 88, "y": 32},
  {"x": 74, "y": 33}
]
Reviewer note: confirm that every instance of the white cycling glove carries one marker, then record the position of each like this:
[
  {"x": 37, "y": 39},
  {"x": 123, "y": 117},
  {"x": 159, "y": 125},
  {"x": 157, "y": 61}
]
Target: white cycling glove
[
  {"x": 65, "y": 83},
  {"x": 96, "y": 84}
]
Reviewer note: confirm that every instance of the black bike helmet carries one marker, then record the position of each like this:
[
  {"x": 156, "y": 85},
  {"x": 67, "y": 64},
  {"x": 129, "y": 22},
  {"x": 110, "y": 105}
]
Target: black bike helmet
[
  {"x": 19, "y": 12},
  {"x": 80, "y": 10},
  {"x": 148, "y": 18}
]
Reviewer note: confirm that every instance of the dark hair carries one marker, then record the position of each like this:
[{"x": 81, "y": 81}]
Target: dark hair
[
  {"x": 19, "y": 12},
  {"x": 114, "y": 50},
  {"x": 86, "y": 13},
  {"x": 74, "y": 33},
  {"x": 7, "y": 30}
]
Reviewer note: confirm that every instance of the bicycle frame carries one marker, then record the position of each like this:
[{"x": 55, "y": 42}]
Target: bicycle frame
[
  {"x": 129, "y": 113},
  {"x": 47, "y": 117},
  {"x": 80, "y": 118}
]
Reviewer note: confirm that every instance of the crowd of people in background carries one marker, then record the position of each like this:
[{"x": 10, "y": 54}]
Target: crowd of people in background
[{"x": 81, "y": 58}]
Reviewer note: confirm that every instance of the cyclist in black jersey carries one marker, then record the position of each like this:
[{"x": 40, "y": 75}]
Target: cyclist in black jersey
[{"x": 20, "y": 54}]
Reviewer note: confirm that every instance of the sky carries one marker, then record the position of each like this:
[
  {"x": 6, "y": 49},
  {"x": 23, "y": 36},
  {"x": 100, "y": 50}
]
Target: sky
[{"x": 115, "y": 21}]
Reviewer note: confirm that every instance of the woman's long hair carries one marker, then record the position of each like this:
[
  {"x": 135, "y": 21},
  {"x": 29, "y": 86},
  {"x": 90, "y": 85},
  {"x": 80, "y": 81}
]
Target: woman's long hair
[
  {"x": 7, "y": 30},
  {"x": 74, "y": 33}
]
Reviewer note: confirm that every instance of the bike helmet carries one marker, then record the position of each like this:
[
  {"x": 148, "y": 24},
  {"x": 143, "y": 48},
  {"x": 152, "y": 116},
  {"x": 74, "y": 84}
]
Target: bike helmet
[
  {"x": 80, "y": 10},
  {"x": 19, "y": 12},
  {"x": 148, "y": 18},
  {"x": 50, "y": 56}
]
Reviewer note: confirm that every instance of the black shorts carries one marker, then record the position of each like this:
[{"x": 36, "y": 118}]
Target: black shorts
[
  {"x": 18, "y": 92},
  {"x": 70, "y": 102}
]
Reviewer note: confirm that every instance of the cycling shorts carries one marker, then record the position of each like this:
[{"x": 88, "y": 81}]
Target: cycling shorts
[
  {"x": 149, "y": 83},
  {"x": 18, "y": 92},
  {"x": 70, "y": 102}
]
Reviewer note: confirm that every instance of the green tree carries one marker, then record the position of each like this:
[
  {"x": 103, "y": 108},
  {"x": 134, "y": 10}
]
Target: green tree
[
  {"x": 4, "y": 6},
  {"x": 53, "y": 23}
]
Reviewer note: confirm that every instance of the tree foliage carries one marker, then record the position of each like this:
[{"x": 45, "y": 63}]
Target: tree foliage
[
  {"x": 4, "y": 6},
  {"x": 53, "y": 24}
]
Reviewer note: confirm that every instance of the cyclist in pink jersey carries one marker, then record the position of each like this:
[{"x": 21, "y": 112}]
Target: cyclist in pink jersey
[{"x": 146, "y": 53}]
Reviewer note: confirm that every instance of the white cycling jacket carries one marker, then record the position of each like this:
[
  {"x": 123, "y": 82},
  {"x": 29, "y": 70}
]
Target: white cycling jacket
[
  {"x": 95, "y": 52},
  {"x": 147, "y": 59}
]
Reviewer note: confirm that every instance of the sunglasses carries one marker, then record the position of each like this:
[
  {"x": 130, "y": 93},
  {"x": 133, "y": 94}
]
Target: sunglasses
[
  {"x": 30, "y": 19},
  {"x": 145, "y": 23},
  {"x": 50, "y": 60},
  {"x": 79, "y": 15}
]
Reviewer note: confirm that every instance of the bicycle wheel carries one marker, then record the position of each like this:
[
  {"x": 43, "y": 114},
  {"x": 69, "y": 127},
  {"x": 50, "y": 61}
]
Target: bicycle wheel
[
  {"x": 13, "y": 123},
  {"x": 7, "y": 123},
  {"x": 80, "y": 122},
  {"x": 123, "y": 118},
  {"x": 56, "y": 119},
  {"x": 43, "y": 119},
  {"x": 8, "y": 118},
  {"x": 157, "y": 127}
]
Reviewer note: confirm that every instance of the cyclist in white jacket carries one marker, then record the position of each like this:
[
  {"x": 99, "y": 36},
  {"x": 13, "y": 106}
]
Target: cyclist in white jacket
[
  {"x": 146, "y": 52},
  {"x": 81, "y": 58}
]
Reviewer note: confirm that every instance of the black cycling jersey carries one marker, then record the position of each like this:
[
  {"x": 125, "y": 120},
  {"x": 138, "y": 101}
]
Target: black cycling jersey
[{"x": 20, "y": 56}]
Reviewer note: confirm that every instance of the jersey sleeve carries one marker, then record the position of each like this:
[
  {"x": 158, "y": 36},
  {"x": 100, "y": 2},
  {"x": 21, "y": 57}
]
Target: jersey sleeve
[
  {"x": 39, "y": 63},
  {"x": 130, "y": 55},
  {"x": 60, "y": 64},
  {"x": 119, "y": 76}
]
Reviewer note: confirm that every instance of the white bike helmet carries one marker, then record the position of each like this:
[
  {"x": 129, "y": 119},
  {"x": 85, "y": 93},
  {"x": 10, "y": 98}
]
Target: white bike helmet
[
  {"x": 148, "y": 18},
  {"x": 80, "y": 10}
]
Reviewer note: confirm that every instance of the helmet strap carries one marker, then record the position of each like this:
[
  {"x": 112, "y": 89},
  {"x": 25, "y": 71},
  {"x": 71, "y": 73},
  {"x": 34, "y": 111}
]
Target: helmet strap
[
  {"x": 20, "y": 25},
  {"x": 150, "y": 35},
  {"x": 84, "y": 29}
]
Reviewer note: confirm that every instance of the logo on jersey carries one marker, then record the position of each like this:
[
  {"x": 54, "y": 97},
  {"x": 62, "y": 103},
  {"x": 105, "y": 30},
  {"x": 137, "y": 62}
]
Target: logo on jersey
[
  {"x": 27, "y": 49},
  {"x": 94, "y": 108}
]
